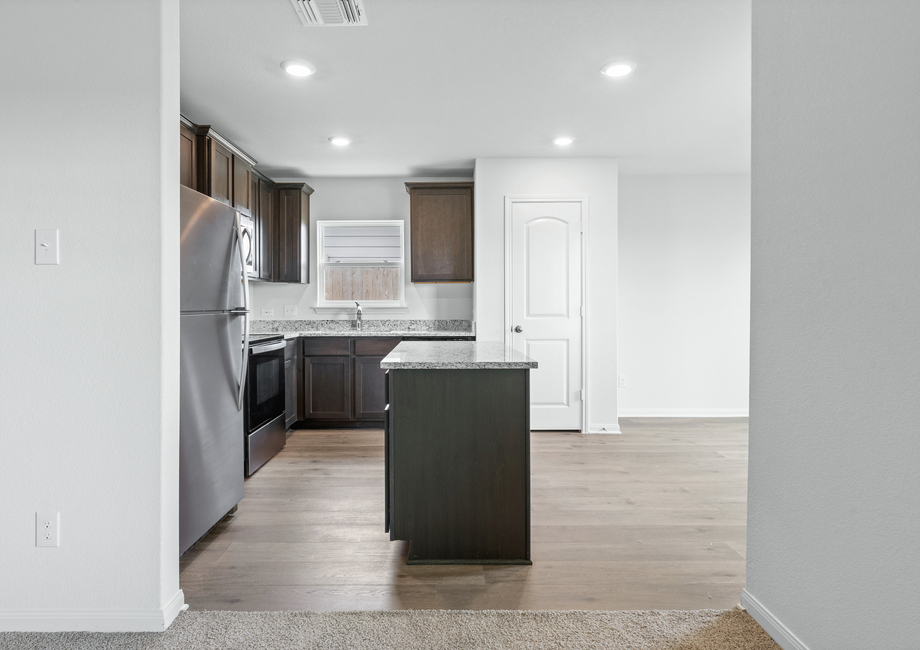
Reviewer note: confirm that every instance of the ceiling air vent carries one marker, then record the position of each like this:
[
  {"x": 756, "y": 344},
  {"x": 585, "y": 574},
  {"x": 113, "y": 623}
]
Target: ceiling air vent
[{"x": 330, "y": 13}]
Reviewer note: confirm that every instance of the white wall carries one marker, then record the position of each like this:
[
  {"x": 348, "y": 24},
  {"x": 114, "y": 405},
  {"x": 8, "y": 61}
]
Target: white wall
[
  {"x": 684, "y": 295},
  {"x": 89, "y": 359},
  {"x": 595, "y": 178},
  {"x": 834, "y": 487},
  {"x": 336, "y": 199}
]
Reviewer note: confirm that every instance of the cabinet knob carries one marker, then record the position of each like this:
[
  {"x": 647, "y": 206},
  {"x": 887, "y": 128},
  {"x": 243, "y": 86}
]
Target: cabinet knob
[{"x": 518, "y": 329}]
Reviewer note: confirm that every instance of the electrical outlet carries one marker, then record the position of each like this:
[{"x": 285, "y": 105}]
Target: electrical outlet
[
  {"x": 290, "y": 311},
  {"x": 268, "y": 313},
  {"x": 47, "y": 528},
  {"x": 623, "y": 382}
]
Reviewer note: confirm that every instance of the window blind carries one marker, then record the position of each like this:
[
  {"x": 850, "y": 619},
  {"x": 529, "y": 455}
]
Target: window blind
[{"x": 362, "y": 244}]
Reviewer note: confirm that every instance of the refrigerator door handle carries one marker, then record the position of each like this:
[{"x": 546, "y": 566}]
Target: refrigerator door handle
[{"x": 244, "y": 368}]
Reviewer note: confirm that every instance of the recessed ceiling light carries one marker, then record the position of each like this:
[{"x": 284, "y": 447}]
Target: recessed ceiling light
[
  {"x": 563, "y": 141},
  {"x": 618, "y": 68},
  {"x": 339, "y": 141},
  {"x": 298, "y": 68}
]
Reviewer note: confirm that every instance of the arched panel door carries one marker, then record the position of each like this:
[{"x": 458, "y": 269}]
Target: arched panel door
[{"x": 546, "y": 307}]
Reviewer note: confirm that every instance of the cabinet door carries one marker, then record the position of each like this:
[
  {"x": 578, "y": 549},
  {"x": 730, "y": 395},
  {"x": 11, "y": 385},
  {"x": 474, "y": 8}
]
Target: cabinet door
[
  {"x": 370, "y": 398},
  {"x": 287, "y": 236},
  {"x": 264, "y": 229},
  {"x": 256, "y": 243},
  {"x": 327, "y": 384},
  {"x": 291, "y": 250},
  {"x": 441, "y": 222},
  {"x": 219, "y": 172},
  {"x": 290, "y": 392},
  {"x": 242, "y": 186},
  {"x": 188, "y": 170}
]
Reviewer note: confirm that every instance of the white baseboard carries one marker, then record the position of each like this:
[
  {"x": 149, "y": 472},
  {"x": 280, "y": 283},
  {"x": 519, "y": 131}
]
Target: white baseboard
[
  {"x": 604, "y": 428},
  {"x": 92, "y": 620},
  {"x": 682, "y": 413},
  {"x": 172, "y": 608},
  {"x": 773, "y": 626}
]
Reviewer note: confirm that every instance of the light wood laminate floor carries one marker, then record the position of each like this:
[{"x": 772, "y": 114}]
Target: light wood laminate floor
[{"x": 650, "y": 519}]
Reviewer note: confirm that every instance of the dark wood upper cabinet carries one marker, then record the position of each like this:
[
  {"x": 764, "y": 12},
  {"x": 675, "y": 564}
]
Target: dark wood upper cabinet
[
  {"x": 254, "y": 213},
  {"x": 441, "y": 227},
  {"x": 188, "y": 170},
  {"x": 224, "y": 172},
  {"x": 242, "y": 186},
  {"x": 291, "y": 250},
  {"x": 280, "y": 212},
  {"x": 264, "y": 229},
  {"x": 215, "y": 167}
]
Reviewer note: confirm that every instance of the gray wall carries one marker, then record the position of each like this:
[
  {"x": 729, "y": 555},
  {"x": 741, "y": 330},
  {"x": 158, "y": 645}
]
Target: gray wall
[
  {"x": 833, "y": 555},
  {"x": 89, "y": 359},
  {"x": 684, "y": 295}
]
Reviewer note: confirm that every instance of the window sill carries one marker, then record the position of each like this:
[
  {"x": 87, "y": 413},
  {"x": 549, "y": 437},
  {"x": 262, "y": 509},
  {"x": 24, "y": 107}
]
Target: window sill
[{"x": 350, "y": 311}]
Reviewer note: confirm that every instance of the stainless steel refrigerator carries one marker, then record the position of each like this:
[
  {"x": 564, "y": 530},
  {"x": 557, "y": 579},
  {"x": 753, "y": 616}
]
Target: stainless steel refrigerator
[{"x": 214, "y": 333}]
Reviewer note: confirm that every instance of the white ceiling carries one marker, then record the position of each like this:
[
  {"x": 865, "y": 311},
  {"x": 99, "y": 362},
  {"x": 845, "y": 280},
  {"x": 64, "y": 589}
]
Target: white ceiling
[{"x": 430, "y": 85}]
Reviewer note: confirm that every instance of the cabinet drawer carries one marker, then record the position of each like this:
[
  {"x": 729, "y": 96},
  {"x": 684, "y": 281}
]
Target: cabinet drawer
[
  {"x": 326, "y": 347},
  {"x": 371, "y": 347}
]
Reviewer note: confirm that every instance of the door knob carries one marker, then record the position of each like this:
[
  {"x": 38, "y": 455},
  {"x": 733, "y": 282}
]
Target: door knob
[{"x": 518, "y": 329}]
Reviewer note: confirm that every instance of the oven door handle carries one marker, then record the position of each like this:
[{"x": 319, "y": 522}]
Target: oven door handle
[{"x": 262, "y": 349}]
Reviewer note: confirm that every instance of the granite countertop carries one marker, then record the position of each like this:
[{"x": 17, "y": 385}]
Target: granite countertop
[
  {"x": 373, "y": 327},
  {"x": 361, "y": 334},
  {"x": 437, "y": 355}
]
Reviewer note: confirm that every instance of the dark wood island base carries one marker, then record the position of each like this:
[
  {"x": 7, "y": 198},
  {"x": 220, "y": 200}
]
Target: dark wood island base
[{"x": 458, "y": 462}]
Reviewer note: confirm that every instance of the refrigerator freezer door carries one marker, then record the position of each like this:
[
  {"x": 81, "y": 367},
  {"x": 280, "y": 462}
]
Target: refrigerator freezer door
[
  {"x": 211, "y": 277},
  {"x": 211, "y": 427}
]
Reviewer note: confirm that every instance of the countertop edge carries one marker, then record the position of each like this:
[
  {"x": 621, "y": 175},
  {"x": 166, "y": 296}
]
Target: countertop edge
[
  {"x": 454, "y": 365},
  {"x": 367, "y": 335}
]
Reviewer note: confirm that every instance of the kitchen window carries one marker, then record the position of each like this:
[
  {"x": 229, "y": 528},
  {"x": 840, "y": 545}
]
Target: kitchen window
[{"x": 360, "y": 261}]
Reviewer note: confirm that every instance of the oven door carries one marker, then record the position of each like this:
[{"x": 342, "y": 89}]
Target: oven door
[{"x": 265, "y": 388}]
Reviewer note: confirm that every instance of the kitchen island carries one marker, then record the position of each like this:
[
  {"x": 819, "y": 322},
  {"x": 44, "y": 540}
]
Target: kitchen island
[{"x": 457, "y": 440}]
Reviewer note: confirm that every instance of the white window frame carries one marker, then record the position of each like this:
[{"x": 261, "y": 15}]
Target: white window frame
[{"x": 321, "y": 264}]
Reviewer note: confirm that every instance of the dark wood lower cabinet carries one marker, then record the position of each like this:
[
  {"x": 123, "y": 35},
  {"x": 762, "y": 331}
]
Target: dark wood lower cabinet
[
  {"x": 292, "y": 373},
  {"x": 327, "y": 385},
  {"x": 369, "y": 388},
  {"x": 290, "y": 392},
  {"x": 458, "y": 465},
  {"x": 342, "y": 383}
]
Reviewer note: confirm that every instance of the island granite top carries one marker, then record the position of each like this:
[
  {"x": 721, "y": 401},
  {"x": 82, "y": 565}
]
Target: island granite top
[{"x": 438, "y": 355}]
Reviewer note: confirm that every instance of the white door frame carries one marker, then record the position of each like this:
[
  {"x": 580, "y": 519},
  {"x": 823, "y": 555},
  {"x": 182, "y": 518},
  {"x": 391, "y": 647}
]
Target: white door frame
[{"x": 538, "y": 198}]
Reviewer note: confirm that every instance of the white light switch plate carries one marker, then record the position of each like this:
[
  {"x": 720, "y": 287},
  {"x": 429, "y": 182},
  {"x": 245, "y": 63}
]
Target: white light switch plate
[
  {"x": 267, "y": 313},
  {"x": 290, "y": 310},
  {"x": 47, "y": 249}
]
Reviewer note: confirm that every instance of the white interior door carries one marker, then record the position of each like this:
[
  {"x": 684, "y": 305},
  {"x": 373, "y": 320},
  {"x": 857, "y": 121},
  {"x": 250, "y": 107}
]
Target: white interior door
[{"x": 546, "y": 307}]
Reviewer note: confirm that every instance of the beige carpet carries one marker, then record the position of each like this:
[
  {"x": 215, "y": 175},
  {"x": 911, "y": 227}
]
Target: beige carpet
[{"x": 708, "y": 629}]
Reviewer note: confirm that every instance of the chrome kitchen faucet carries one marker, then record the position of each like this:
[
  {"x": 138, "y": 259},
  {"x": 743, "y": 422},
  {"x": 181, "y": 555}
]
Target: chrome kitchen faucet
[{"x": 358, "y": 312}]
